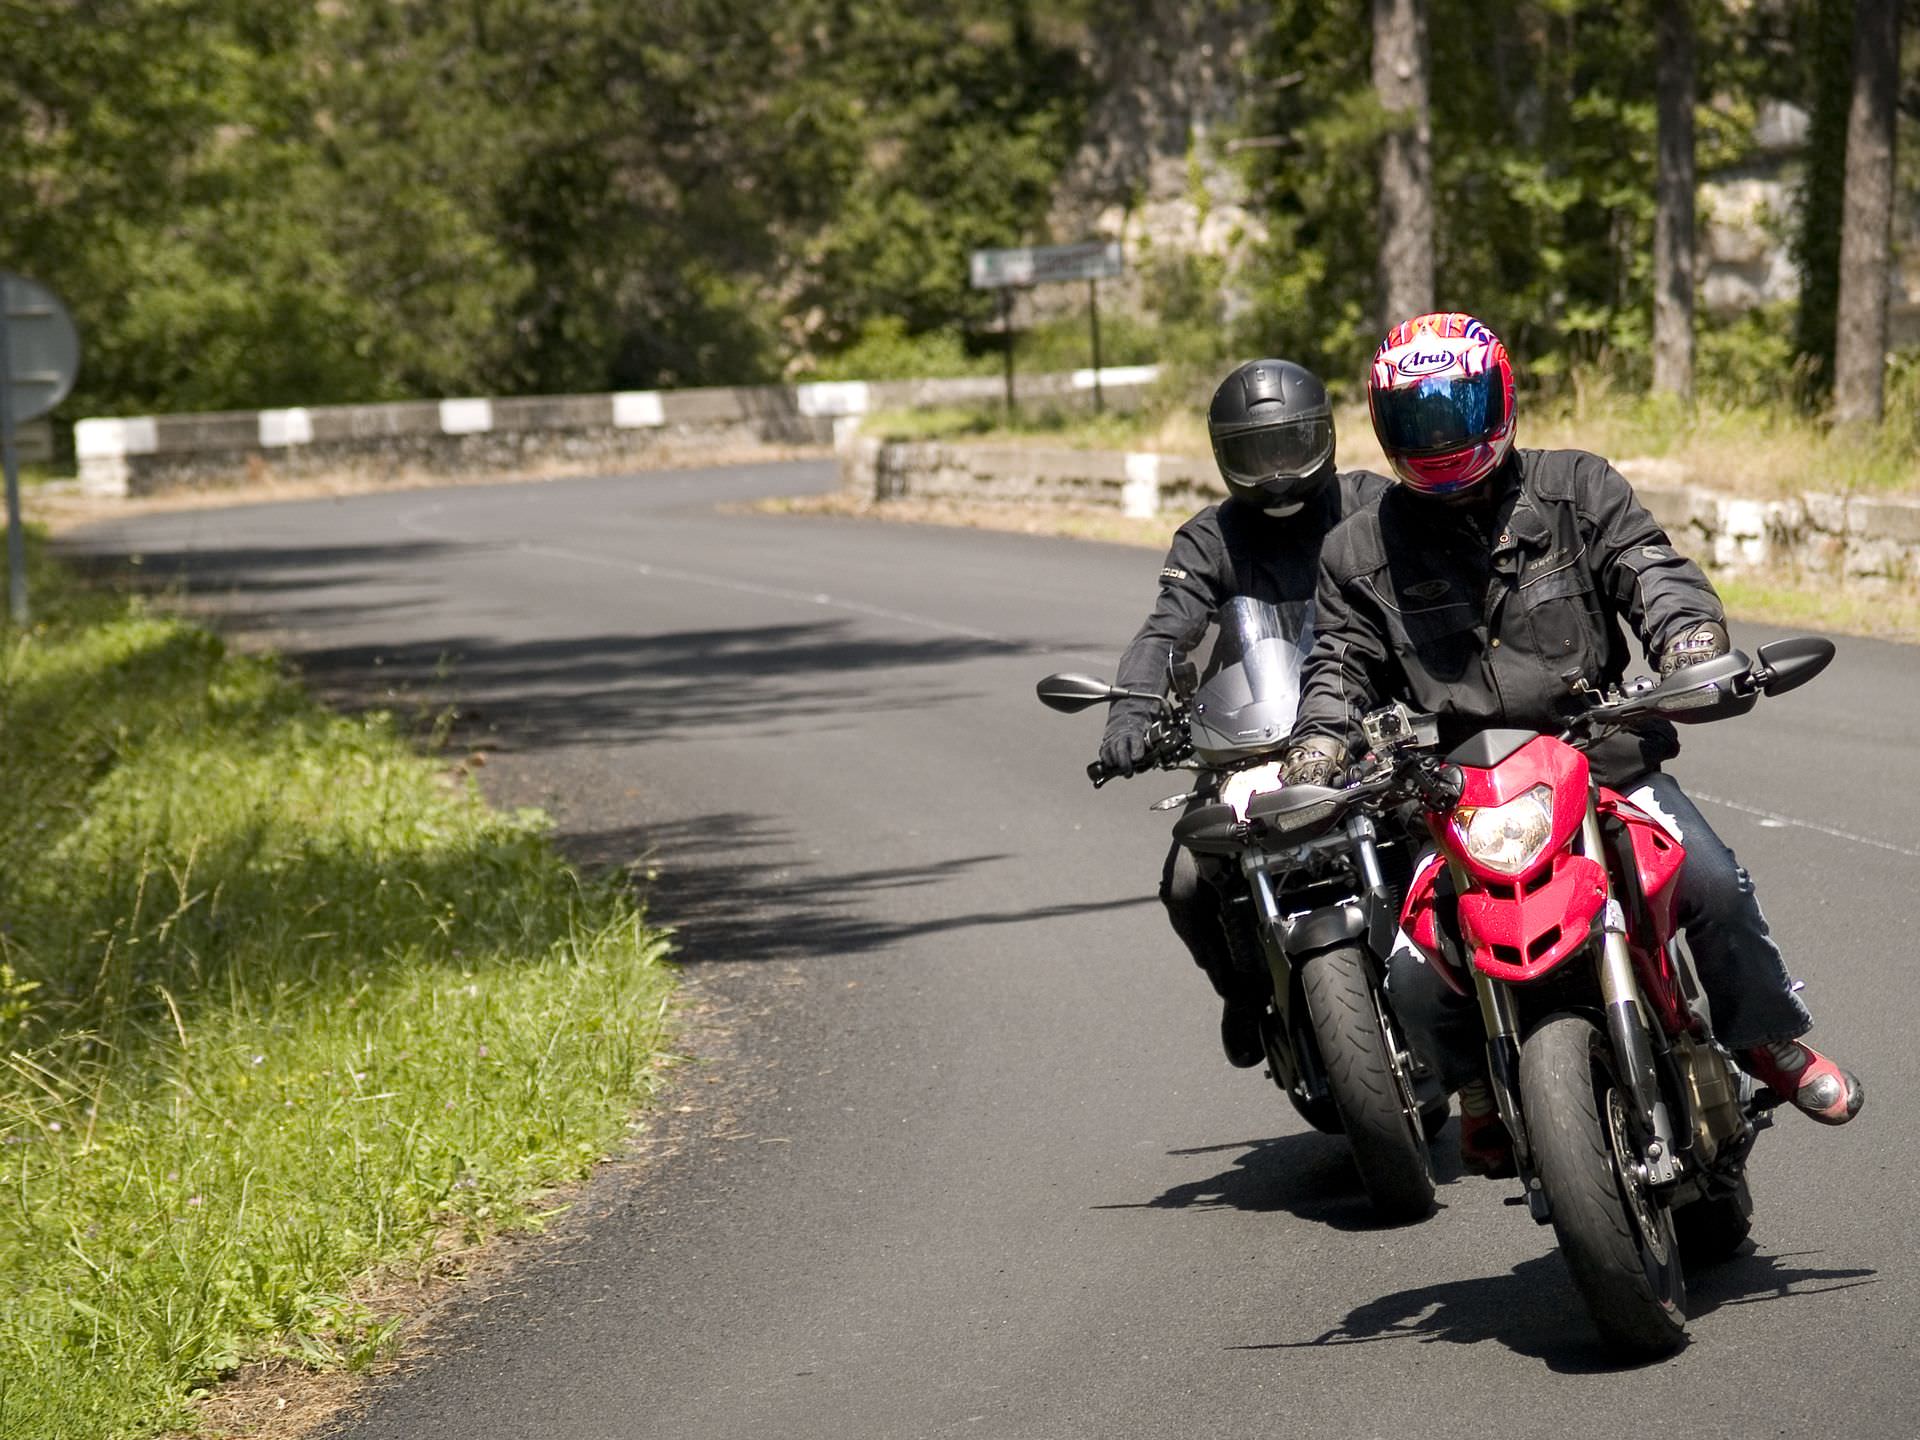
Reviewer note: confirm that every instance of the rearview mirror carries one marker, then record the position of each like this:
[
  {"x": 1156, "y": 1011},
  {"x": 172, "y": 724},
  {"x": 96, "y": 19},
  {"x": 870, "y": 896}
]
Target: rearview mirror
[
  {"x": 1074, "y": 692},
  {"x": 1788, "y": 664}
]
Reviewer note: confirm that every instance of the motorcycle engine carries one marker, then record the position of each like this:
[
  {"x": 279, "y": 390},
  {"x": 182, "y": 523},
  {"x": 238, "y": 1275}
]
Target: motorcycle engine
[{"x": 1714, "y": 1091}]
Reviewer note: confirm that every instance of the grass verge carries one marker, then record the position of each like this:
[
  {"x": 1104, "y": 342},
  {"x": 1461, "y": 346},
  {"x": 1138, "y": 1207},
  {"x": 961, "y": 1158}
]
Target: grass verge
[{"x": 279, "y": 1005}]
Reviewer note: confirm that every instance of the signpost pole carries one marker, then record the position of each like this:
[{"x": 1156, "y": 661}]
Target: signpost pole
[
  {"x": 1006, "y": 336},
  {"x": 1093, "y": 312},
  {"x": 16, "y": 528}
]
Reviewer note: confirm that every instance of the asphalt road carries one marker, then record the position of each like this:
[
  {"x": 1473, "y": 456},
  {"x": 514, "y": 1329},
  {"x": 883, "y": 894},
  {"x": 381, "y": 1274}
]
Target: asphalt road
[{"x": 973, "y": 1166}]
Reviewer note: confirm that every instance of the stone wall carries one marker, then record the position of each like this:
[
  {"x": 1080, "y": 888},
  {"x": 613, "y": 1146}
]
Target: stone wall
[
  {"x": 1852, "y": 536},
  {"x": 143, "y": 455}
]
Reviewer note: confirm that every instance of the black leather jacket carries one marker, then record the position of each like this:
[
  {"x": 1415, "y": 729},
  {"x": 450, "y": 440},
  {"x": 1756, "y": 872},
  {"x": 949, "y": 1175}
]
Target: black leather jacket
[
  {"x": 1479, "y": 613},
  {"x": 1226, "y": 550}
]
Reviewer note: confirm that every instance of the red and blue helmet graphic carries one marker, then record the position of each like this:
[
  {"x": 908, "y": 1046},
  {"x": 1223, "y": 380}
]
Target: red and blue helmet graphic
[{"x": 1441, "y": 398}]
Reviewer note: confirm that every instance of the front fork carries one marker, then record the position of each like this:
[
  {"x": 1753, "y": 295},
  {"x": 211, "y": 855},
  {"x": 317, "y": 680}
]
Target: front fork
[
  {"x": 1298, "y": 1071},
  {"x": 1627, "y": 1032}
]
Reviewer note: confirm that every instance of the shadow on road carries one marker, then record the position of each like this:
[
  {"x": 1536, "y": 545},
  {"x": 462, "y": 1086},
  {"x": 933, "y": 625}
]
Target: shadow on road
[
  {"x": 539, "y": 693},
  {"x": 1305, "y": 1174},
  {"x": 1534, "y": 1310},
  {"x": 732, "y": 890},
  {"x": 256, "y": 576},
  {"x": 615, "y": 689}
]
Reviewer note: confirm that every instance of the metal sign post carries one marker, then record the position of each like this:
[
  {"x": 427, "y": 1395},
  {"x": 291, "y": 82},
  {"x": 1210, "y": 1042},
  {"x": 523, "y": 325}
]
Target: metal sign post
[
  {"x": 39, "y": 357},
  {"x": 1005, "y": 270},
  {"x": 1006, "y": 343},
  {"x": 1093, "y": 318},
  {"x": 10, "y": 461}
]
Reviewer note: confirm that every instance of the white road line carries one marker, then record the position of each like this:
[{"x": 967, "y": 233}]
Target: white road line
[
  {"x": 410, "y": 523},
  {"x": 1799, "y": 824}
]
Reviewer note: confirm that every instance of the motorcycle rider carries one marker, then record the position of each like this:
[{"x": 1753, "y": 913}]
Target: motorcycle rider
[
  {"x": 1483, "y": 587},
  {"x": 1271, "y": 426}
]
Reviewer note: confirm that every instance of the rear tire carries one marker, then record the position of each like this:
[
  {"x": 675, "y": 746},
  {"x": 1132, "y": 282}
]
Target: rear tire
[
  {"x": 1370, "y": 1086},
  {"x": 1618, "y": 1241}
]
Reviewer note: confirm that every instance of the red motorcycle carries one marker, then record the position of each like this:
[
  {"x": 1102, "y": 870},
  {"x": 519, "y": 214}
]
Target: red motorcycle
[{"x": 1551, "y": 899}]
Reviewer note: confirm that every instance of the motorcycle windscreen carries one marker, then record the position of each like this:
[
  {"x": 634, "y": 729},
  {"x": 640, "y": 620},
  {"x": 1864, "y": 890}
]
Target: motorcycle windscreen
[{"x": 1249, "y": 702}]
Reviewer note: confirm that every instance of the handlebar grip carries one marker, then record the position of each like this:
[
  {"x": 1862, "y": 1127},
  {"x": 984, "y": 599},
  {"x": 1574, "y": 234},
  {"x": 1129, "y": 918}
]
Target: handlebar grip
[{"x": 1098, "y": 773}]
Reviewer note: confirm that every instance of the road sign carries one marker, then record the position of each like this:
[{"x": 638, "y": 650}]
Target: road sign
[
  {"x": 39, "y": 356},
  {"x": 1043, "y": 264},
  {"x": 1005, "y": 270},
  {"x": 43, "y": 347}
]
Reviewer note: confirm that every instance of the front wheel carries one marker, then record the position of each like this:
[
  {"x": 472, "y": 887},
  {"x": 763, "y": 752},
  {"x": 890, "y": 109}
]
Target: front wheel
[
  {"x": 1367, "y": 1072},
  {"x": 1617, "y": 1239}
]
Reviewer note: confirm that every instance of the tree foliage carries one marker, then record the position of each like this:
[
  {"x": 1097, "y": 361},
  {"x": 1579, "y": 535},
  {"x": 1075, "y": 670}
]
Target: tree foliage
[{"x": 260, "y": 202}]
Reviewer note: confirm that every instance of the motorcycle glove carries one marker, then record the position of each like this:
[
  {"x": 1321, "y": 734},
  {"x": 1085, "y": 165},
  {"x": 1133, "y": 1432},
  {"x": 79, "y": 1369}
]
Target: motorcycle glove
[
  {"x": 1312, "y": 761},
  {"x": 1705, "y": 641},
  {"x": 1124, "y": 748}
]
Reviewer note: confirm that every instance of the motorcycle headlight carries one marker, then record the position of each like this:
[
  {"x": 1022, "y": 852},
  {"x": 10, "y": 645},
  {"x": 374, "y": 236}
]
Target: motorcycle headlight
[{"x": 1508, "y": 838}]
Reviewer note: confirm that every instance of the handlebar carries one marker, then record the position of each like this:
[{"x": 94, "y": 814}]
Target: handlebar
[{"x": 1167, "y": 744}]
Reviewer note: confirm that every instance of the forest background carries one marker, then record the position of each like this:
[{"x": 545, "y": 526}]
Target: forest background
[{"x": 253, "y": 203}]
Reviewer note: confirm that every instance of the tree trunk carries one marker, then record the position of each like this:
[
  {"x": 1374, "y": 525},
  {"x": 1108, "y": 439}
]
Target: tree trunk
[
  {"x": 1673, "y": 212},
  {"x": 1860, "y": 330},
  {"x": 1406, "y": 165}
]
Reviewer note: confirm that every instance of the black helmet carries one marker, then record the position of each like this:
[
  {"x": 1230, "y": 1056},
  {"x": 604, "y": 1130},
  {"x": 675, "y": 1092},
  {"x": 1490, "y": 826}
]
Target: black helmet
[{"x": 1272, "y": 431}]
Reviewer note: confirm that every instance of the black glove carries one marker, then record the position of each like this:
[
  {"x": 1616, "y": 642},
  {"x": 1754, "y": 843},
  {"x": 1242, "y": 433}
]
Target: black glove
[
  {"x": 1124, "y": 748},
  {"x": 1705, "y": 641},
  {"x": 1312, "y": 761}
]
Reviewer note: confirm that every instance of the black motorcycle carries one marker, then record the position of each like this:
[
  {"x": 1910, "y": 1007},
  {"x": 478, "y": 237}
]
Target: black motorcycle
[{"x": 1316, "y": 918}]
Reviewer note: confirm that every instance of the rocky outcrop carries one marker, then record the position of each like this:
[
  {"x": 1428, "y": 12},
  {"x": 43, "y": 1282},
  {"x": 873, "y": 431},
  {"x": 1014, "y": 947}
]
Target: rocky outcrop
[{"x": 1152, "y": 172}]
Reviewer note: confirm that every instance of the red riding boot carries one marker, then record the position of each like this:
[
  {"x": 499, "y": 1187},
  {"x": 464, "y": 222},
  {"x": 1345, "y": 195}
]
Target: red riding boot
[{"x": 1800, "y": 1074}]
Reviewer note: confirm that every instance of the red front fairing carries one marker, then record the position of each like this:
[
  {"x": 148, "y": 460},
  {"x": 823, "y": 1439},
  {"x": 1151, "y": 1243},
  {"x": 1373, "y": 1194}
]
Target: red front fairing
[
  {"x": 1521, "y": 926},
  {"x": 1657, "y": 858},
  {"x": 1519, "y": 934},
  {"x": 1420, "y": 918},
  {"x": 1543, "y": 760}
]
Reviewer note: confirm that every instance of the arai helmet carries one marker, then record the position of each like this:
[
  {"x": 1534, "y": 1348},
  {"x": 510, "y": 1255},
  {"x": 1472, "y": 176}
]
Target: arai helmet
[{"x": 1441, "y": 396}]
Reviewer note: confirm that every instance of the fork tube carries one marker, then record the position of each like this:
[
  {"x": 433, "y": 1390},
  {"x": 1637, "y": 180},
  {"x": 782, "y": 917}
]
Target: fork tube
[
  {"x": 1360, "y": 830},
  {"x": 1502, "y": 1022},
  {"x": 1626, "y": 1018}
]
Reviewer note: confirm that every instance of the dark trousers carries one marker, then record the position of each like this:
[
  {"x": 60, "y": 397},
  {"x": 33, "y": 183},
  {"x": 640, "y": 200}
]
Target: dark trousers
[
  {"x": 1196, "y": 911},
  {"x": 1750, "y": 994}
]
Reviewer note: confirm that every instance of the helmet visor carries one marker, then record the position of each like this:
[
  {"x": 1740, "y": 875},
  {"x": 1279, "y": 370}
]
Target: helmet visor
[
  {"x": 1440, "y": 414},
  {"x": 1276, "y": 452}
]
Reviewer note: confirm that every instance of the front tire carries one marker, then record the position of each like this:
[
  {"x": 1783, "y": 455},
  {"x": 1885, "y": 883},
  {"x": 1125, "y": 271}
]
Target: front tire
[
  {"x": 1617, "y": 1239},
  {"x": 1367, "y": 1075}
]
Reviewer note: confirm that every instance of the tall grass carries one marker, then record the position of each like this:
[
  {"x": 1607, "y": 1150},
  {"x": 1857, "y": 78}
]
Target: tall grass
[{"x": 279, "y": 1004}]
